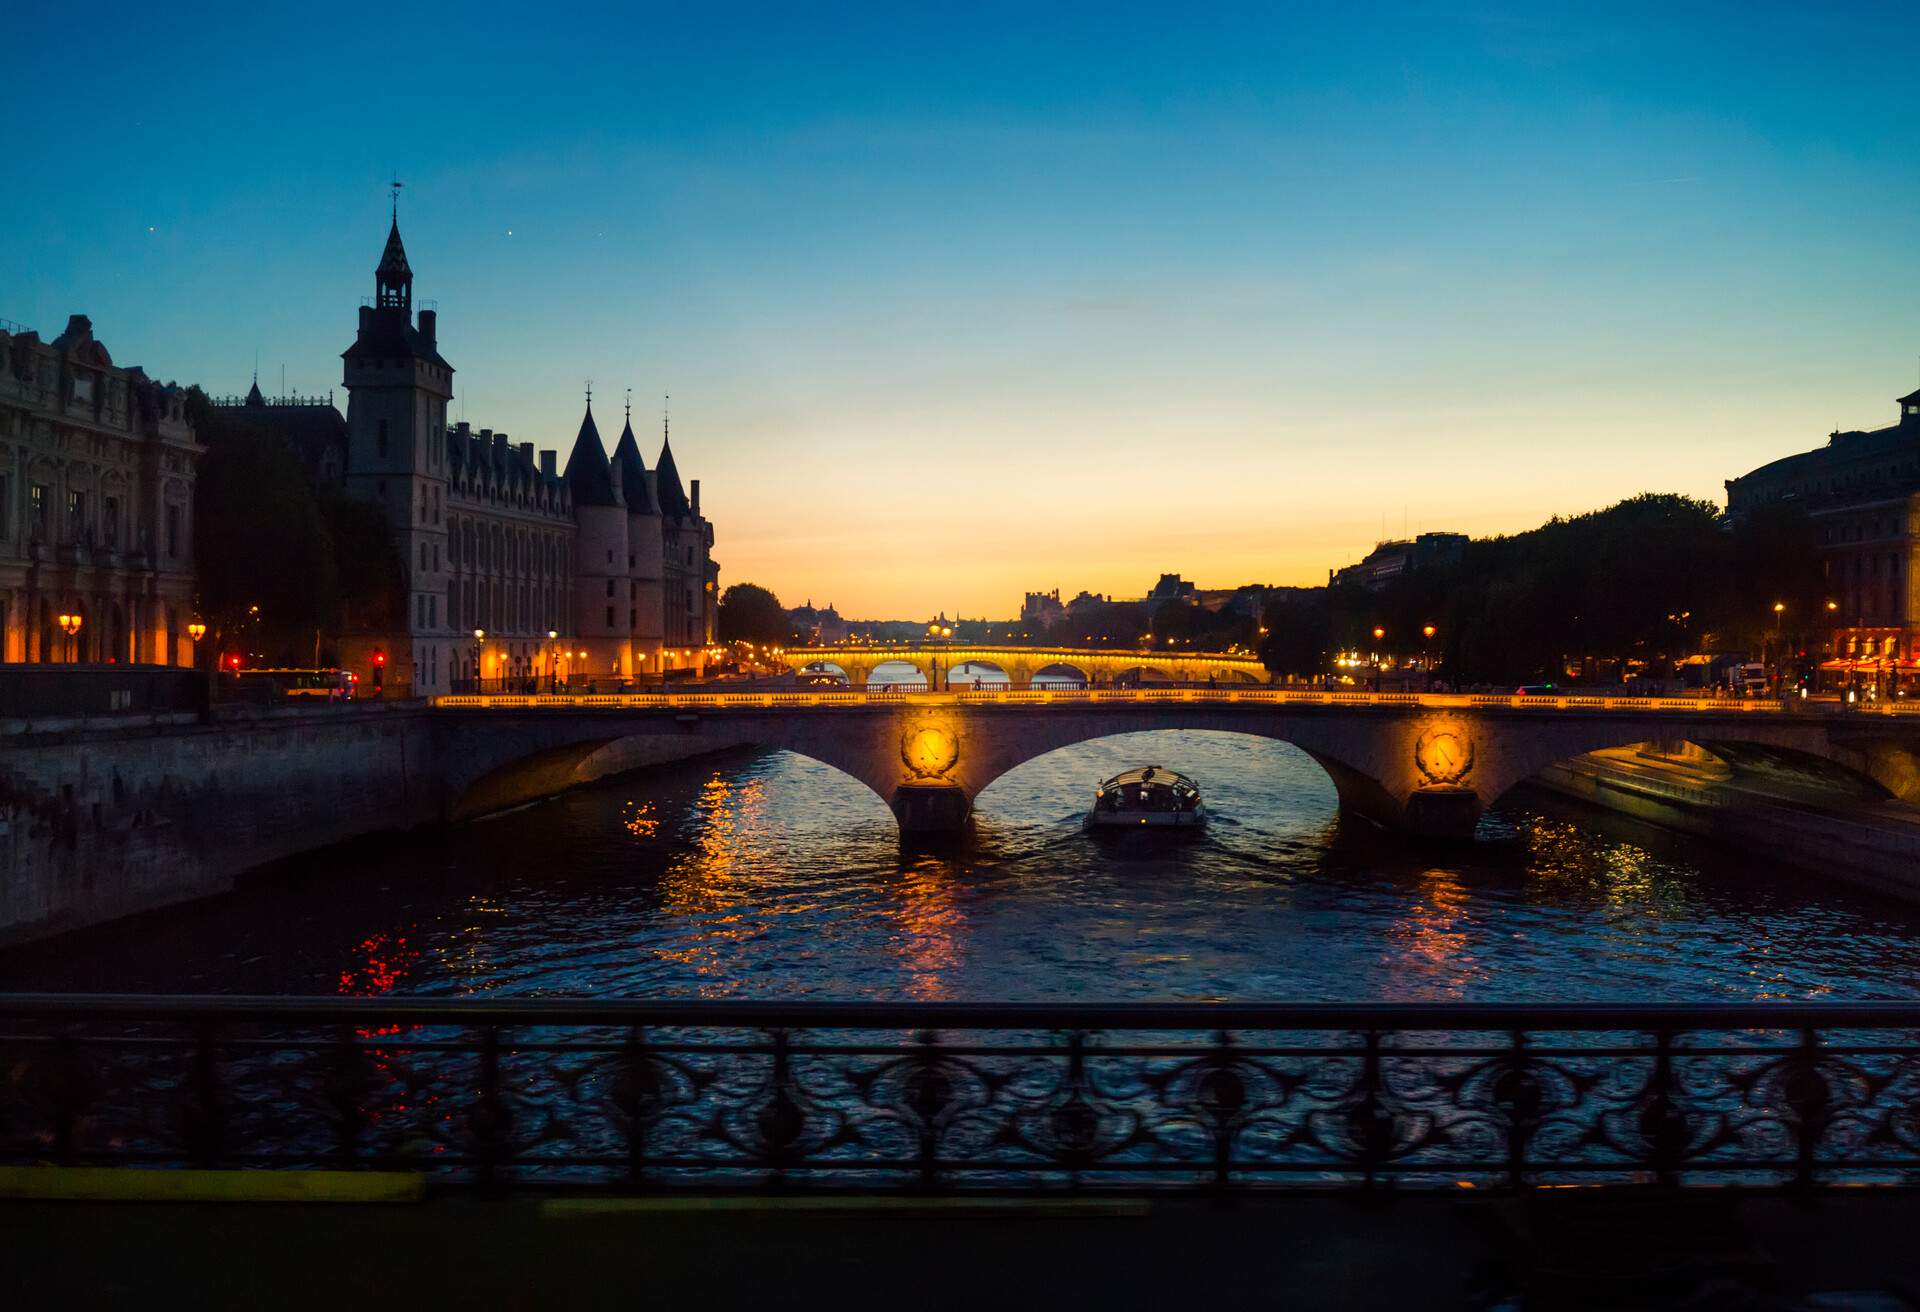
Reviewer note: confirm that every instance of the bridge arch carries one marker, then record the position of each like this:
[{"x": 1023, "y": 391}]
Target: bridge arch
[
  {"x": 1131, "y": 747},
  {"x": 896, "y": 670},
  {"x": 1060, "y": 674},
  {"x": 1782, "y": 748},
  {"x": 975, "y": 673},
  {"x": 832, "y": 668}
]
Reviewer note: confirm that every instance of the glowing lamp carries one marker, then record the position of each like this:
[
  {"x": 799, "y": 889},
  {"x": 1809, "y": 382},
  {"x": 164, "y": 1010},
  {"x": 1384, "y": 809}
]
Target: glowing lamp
[{"x": 196, "y": 630}]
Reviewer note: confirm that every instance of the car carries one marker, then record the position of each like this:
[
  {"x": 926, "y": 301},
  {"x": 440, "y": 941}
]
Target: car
[{"x": 1536, "y": 690}]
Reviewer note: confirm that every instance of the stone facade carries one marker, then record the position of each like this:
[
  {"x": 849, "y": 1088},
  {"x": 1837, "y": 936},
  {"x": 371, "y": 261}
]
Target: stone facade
[
  {"x": 96, "y": 504},
  {"x": 1861, "y": 492},
  {"x": 514, "y": 570}
]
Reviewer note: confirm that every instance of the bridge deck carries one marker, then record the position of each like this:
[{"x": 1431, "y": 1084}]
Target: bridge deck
[{"x": 717, "y": 699}]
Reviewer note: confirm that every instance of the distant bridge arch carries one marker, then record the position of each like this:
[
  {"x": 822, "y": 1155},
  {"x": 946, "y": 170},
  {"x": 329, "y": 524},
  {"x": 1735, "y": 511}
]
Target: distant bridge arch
[{"x": 1022, "y": 664}]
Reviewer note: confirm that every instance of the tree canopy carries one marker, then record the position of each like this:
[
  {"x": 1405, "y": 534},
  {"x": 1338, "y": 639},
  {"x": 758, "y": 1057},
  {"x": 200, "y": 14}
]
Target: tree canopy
[
  {"x": 281, "y": 562},
  {"x": 1654, "y": 578},
  {"x": 750, "y": 613}
]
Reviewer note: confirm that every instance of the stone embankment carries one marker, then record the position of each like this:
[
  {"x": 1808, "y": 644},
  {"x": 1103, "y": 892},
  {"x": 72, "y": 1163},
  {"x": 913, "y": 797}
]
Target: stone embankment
[
  {"x": 1800, "y": 818},
  {"x": 106, "y": 816}
]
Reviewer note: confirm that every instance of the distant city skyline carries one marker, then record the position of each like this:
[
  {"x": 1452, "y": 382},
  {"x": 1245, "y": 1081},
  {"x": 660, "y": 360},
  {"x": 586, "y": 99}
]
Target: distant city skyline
[{"x": 956, "y": 306}]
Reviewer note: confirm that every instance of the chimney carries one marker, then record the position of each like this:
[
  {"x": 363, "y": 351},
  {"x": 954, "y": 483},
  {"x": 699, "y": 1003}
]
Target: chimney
[
  {"x": 461, "y": 428},
  {"x": 696, "y": 496},
  {"x": 548, "y": 464},
  {"x": 500, "y": 448},
  {"x": 366, "y": 319},
  {"x": 526, "y": 453},
  {"x": 428, "y": 320}
]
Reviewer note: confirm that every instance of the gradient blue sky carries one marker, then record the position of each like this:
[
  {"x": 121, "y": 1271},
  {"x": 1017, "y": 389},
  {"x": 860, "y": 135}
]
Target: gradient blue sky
[{"x": 956, "y": 300}]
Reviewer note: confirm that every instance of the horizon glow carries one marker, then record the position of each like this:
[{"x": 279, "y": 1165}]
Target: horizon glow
[{"x": 956, "y": 304}]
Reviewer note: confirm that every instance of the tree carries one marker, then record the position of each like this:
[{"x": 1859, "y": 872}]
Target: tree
[
  {"x": 284, "y": 563},
  {"x": 261, "y": 545},
  {"x": 750, "y": 613}
]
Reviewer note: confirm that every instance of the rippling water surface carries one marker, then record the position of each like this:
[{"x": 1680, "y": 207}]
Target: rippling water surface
[{"x": 772, "y": 876}]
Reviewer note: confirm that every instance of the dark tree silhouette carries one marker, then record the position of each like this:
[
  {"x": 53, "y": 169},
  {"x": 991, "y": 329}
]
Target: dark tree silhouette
[{"x": 750, "y": 613}]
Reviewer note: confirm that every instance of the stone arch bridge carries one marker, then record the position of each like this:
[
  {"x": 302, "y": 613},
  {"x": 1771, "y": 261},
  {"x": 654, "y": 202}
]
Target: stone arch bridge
[
  {"x": 1022, "y": 664},
  {"x": 1424, "y": 764}
]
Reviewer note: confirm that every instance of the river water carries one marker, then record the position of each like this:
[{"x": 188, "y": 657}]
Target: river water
[{"x": 772, "y": 876}]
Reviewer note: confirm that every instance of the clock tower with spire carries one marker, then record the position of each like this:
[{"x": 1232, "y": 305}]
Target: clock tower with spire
[{"x": 398, "y": 386}]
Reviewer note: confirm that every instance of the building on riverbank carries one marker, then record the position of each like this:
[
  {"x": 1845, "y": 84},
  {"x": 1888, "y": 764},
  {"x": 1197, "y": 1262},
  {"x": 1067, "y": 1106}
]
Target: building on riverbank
[
  {"x": 96, "y": 505},
  {"x": 1861, "y": 494},
  {"x": 514, "y": 569}
]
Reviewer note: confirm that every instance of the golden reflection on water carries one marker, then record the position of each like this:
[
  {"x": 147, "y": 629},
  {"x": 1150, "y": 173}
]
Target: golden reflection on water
[
  {"x": 930, "y": 929},
  {"x": 728, "y": 890},
  {"x": 462, "y": 956},
  {"x": 640, "y": 820},
  {"x": 711, "y": 888},
  {"x": 1432, "y": 937}
]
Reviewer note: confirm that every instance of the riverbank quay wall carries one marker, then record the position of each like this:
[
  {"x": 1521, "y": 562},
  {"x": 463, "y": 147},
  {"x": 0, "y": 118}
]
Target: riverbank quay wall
[
  {"x": 103, "y": 817},
  {"x": 107, "y": 816}
]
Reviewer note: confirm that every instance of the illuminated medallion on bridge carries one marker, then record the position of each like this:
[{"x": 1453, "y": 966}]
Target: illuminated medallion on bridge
[
  {"x": 1444, "y": 752},
  {"x": 929, "y": 750}
]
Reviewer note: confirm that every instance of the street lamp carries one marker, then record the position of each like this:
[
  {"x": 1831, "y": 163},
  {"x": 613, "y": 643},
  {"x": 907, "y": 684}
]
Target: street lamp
[
  {"x": 479, "y": 654},
  {"x": 1378, "y": 634},
  {"x": 196, "y": 630},
  {"x": 1779, "y": 609},
  {"x": 70, "y": 625},
  {"x": 1426, "y": 653},
  {"x": 552, "y": 677}
]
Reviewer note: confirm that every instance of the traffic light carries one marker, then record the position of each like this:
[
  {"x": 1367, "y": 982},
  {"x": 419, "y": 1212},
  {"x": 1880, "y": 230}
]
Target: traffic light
[{"x": 379, "y": 667}]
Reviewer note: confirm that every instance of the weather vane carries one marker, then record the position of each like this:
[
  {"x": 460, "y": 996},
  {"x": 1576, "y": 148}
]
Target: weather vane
[
  {"x": 589, "y": 393},
  {"x": 629, "y": 405},
  {"x": 397, "y": 184}
]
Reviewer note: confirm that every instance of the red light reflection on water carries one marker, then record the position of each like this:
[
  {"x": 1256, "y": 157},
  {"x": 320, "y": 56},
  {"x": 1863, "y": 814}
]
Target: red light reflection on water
[{"x": 381, "y": 961}]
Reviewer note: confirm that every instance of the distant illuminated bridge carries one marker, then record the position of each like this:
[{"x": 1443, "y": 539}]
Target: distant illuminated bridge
[
  {"x": 1420, "y": 762},
  {"x": 1021, "y": 666}
]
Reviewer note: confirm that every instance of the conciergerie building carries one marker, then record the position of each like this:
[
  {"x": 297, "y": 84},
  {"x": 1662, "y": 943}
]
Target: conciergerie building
[{"x": 611, "y": 557}]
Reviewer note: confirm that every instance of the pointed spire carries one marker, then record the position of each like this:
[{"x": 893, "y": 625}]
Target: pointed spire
[
  {"x": 632, "y": 469},
  {"x": 666, "y": 477},
  {"x": 589, "y": 474},
  {"x": 393, "y": 279}
]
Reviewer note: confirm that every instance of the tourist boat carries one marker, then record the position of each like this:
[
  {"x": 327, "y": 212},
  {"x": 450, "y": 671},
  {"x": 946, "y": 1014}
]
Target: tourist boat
[{"x": 1151, "y": 796}]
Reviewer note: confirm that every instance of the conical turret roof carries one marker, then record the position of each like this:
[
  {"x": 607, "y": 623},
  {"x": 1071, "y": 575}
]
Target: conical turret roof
[
  {"x": 633, "y": 473},
  {"x": 673, "y": 497},
  {"x": 589, "y": 475}
]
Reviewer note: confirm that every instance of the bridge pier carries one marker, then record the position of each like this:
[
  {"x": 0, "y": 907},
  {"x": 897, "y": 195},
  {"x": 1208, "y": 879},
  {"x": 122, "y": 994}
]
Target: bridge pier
[
  {"x": 1442, "y": 812},
  {"x": 929, "y": 806}
]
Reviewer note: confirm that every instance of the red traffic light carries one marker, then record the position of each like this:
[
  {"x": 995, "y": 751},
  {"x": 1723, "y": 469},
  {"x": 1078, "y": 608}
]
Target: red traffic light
[
  {"x": 233, "y": 662},
  {"x": 379, "y": 657}
]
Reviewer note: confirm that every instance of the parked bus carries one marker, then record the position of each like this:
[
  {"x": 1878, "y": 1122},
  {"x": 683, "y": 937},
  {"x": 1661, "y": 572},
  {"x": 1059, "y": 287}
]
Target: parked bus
[{"x": 334, "y": 685}]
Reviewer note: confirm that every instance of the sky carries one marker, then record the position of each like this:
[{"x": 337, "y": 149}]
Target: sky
[{"x": 956, "y": 301}]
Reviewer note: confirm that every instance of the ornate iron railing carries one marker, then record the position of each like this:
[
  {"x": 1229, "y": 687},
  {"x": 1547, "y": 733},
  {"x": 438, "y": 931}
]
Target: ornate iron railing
[{"x": 723, "y": 1095}]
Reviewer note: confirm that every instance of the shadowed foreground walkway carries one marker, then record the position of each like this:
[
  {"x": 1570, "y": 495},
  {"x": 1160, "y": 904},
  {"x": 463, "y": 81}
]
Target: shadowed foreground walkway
[{"x": 1296, "y": 1252}]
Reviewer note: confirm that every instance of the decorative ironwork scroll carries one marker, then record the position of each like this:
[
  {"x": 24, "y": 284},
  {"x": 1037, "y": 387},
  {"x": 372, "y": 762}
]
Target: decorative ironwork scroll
[{"x": 941, "y": 1098}]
